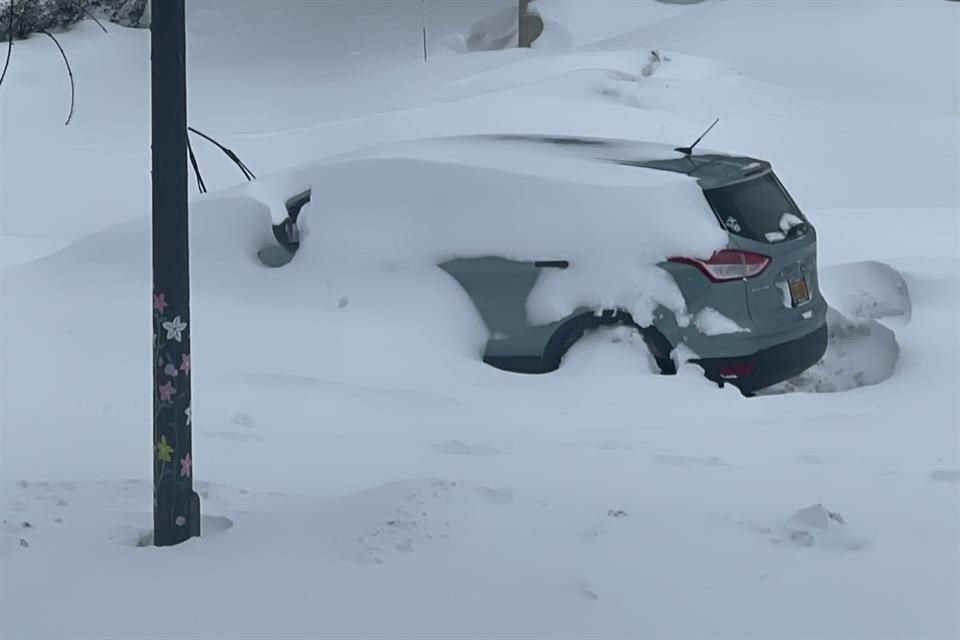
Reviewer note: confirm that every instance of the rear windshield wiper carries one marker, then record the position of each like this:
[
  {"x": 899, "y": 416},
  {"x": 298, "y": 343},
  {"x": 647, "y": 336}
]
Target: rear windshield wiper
[{"x": 798, "y": 230}]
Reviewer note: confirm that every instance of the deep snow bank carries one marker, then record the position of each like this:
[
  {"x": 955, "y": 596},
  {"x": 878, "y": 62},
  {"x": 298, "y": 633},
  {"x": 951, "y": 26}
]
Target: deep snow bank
[
  {"x": 569, "y": 23},
  {"x": 901, "y": 56},
  {"x": 493, "y": 33},
  {"x": 868, "y": 290},
  {"x": 425, "y": 203}
]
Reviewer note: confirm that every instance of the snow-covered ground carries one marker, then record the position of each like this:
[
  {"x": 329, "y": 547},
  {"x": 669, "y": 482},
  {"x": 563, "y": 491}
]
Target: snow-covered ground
[{"x": 362, "y": 473}]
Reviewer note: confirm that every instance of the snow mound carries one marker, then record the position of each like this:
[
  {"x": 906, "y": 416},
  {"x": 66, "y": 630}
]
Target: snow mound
[
  {"x": 866, "y": 290},
  {"x": 861, "y": 350},
  {"x": 859, "y": 353},
  {"x": 492, "y": 33},
  {"x": 573, "y": 23},
  {"x": 612, "y": 349},
  {"x": 556, "y": 34},
  {"x": 635, "y": 83},
  {"x": 814, "y": 526}
]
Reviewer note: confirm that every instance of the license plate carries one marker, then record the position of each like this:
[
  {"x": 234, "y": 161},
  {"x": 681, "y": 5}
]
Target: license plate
[{"x": 799, "y": 292}]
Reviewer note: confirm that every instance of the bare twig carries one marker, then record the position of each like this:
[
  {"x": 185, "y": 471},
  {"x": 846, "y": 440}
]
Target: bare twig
[
  {"x": 73, "y": 89},
  {"x": 84, "y": 8},
  {"x": 6, "y": 63}
]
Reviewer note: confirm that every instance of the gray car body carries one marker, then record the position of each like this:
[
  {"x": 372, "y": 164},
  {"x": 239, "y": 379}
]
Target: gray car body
[{"x": 500, "y": 288}]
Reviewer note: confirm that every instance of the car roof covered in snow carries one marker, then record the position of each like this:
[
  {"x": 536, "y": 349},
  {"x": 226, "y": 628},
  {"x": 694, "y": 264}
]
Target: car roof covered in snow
[
  {"x": 711, "y": 169},
  {"x": 557, "y": 155},
  {"x": 552, "y": 159},
  {"x": 535, "y": 156}
]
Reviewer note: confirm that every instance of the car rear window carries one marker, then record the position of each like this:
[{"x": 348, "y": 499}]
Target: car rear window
[{"x": 756, "y": 209}]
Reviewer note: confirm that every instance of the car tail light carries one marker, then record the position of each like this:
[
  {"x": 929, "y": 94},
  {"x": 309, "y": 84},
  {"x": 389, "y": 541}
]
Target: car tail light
[
  {"x": 729, "y": 264},
  {"x": 732, "y": 370}
]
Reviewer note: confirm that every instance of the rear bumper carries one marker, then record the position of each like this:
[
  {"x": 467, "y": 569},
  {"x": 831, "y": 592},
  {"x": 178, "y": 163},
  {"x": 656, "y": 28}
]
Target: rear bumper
[{"x": 767, "y": 367}]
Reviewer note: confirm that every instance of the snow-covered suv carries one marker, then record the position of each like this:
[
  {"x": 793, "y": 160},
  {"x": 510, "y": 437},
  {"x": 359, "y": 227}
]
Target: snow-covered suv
[{"x": 755, "y": 315}]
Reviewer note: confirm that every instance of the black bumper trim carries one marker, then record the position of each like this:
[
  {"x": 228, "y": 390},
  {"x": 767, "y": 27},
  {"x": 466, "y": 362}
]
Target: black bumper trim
[{"x": 772, "y": 365}]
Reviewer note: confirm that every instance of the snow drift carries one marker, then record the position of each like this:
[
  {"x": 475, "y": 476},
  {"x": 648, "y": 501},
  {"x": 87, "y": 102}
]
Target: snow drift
[{"x": 422, "y": 204}]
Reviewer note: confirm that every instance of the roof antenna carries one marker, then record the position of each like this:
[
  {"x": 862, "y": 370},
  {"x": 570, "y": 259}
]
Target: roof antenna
[{"x": 689, "y": 150}]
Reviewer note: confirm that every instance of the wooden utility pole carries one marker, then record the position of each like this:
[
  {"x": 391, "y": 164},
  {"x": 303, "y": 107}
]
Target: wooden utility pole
[{"x": 176, "y": 507}]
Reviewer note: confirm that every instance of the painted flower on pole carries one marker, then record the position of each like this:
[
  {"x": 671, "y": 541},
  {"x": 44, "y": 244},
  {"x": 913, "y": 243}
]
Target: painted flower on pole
[
  {"x": 164, "y": 450},
  {"x": 160, "y": 303},
  {"x": 166, "y": 392},
  {"x": 175, "y": 329}
]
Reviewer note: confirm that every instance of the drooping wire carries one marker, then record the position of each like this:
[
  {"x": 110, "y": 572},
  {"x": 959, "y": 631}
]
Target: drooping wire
[{"x": 249, "y": 175}]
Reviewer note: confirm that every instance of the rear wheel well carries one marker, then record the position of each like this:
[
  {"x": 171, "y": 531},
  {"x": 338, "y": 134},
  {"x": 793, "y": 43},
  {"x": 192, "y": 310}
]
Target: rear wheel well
[{"x": 570, "y": 332}]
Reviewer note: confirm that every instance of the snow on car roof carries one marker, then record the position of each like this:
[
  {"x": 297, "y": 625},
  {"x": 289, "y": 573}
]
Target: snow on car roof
[
  {"x": 586, "y": 161},
  {"x": 580, "y": 160},
  {"x": 420, "y": 204}
]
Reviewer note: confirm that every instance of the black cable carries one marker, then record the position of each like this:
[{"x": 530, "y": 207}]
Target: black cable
[
  {"x": 249, "y": 175},
  {"x": 196, "y": 168}
]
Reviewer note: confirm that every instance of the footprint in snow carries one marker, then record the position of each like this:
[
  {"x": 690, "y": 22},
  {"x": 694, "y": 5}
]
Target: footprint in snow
[
  {"x": 244, "y": 420},
  {"x": 460, "y": 448},
  {"x": 945, "y": 475},
  {"x": 690, "y": 461},
  {"x": 408, "y": 516},
  {"x": 614, "y": 445}
]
